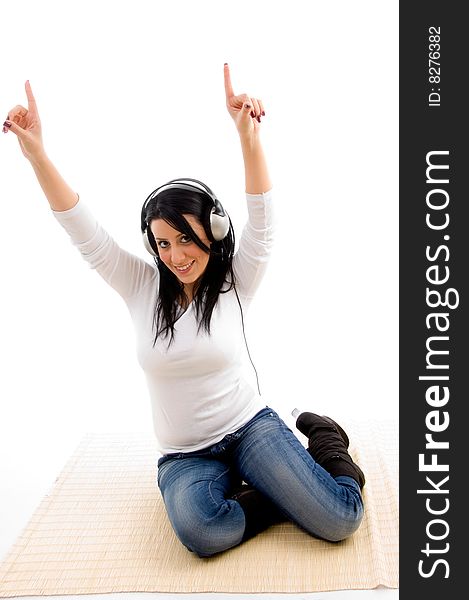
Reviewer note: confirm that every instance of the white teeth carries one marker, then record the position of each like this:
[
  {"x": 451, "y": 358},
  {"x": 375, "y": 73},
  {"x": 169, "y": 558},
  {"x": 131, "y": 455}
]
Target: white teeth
[{"x": 185, "y": 267}]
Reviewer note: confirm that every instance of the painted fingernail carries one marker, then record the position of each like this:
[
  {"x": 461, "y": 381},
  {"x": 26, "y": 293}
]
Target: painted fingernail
[
  {"x": 258, "y": 119},
  {"x": 263, "y": 113},
  {"x": 253, "y": 114},
  {"x": 7, "y": 124}
]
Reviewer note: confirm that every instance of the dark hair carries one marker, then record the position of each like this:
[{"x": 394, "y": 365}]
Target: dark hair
[{"x": 169, "y": 205}]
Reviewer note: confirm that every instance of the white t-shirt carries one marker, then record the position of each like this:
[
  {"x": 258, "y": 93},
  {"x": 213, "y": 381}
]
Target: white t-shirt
[{"x": 197, "y": 391}]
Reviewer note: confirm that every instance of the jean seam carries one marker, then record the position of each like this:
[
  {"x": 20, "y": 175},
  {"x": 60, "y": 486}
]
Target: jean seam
[{"x": 213, "y": 481}]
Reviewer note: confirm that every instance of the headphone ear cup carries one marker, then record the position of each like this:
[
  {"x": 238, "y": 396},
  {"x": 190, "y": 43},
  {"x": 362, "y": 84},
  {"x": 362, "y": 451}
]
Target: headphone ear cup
[{"x": 220, "y": 225}]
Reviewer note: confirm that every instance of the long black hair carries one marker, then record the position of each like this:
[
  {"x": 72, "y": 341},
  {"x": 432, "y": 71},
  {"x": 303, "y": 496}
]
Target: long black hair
[{"x": 169, "y": 205}]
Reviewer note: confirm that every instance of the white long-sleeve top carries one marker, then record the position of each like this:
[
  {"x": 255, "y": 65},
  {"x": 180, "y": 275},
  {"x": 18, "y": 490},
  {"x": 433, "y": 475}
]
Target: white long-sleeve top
[{"x": 197, "y": 391}]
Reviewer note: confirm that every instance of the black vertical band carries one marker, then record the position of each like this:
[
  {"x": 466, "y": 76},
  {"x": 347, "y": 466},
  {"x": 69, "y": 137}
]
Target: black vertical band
[{"x": 434, "y": 254}]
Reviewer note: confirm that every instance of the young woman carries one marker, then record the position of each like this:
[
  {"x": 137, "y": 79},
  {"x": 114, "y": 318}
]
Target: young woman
[{"x": 230, "y": 467}]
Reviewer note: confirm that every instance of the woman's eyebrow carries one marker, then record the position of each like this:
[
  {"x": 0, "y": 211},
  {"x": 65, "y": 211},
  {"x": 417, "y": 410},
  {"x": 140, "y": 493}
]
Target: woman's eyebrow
[{"x": 165, "y": 240}]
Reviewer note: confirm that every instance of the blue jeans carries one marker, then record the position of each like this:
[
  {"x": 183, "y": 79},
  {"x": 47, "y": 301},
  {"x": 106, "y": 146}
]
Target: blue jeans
[{"x": 267, "y": 455}]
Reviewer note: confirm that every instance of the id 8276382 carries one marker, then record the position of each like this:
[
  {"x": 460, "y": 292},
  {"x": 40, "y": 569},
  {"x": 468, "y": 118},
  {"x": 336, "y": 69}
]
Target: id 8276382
[{"x": 434, "y": 66}]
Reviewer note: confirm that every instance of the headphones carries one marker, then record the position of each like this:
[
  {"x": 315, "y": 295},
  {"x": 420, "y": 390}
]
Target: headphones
[{"x": 219, "y": 219}]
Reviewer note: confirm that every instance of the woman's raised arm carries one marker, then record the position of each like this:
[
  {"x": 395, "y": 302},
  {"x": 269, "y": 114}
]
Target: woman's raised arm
[
  {"x": 246, "y": 112},
  {"x": 26, "y": 125},
  {"x": 126, "y": 273},
  {"x": 251, "y": 259}
]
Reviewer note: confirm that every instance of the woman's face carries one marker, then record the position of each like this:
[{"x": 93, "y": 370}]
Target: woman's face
[{"x": 178, "y": 252}]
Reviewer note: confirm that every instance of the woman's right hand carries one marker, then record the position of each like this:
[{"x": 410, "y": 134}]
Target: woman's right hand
[{"x": 26, "y": 125}]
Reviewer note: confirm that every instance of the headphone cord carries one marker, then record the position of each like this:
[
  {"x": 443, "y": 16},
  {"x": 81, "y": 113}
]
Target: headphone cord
[{"x": 247, "y": 348}]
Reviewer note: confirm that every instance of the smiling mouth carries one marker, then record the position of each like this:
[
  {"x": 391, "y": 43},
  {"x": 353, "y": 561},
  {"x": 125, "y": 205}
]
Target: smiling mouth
[{"x": 184, "y": 268}]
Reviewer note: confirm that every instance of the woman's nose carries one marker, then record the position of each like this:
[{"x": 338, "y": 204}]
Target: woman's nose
[{"x": 177, "y": 256}]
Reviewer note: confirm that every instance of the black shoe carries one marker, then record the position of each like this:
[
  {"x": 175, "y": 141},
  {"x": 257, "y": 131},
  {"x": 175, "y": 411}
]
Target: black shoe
[
  {"x": 260, "y": 513},
  {"x": 328, "y": 445}
]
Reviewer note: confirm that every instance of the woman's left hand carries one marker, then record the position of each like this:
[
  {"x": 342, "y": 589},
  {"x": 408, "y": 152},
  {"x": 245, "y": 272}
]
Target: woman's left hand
[{"x": 245, "y": 111}]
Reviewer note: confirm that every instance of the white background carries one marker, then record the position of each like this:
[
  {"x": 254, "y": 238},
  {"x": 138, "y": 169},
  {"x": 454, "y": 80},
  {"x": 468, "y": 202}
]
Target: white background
[{"x": 131, "y": 95}]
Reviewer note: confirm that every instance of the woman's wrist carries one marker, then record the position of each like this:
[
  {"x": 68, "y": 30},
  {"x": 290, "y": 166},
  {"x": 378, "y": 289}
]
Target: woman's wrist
[
  {"x": 38, "y": 159},
  {"x": 250, "y": 141}
]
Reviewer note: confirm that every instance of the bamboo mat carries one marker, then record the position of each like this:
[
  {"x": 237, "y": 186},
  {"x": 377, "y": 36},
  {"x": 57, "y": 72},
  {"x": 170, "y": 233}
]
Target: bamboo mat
[{"x": 102, "y": 528}]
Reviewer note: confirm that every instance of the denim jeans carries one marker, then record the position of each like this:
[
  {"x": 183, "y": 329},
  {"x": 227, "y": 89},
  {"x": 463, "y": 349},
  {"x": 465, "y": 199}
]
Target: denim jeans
[{"x": 267, "y": 455}]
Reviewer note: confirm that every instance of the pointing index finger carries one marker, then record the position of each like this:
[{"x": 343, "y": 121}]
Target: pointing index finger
[
  {"x": 228, "y": 87},
  {"x": 32, "y": 107}
]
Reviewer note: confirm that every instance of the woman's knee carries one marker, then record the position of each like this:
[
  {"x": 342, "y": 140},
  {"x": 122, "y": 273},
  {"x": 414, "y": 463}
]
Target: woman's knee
[
  {"x": 333, "y": 523},
  {"x": 209, "y": 532},
  {"x": 344, "y": 527},
  {"x": 342, "y": 532},
  {"x": 209, "y": 539}
]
